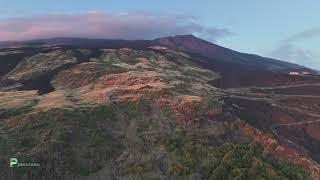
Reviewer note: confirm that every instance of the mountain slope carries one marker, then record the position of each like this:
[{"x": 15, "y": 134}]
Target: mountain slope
[
  {"x": 195, "y": 45},
  {"x": 148, "y": 112},
  {"x": 237, "y": 69}
]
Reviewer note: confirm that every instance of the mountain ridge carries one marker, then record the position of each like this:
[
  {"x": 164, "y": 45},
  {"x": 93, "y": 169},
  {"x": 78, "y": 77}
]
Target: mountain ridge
[{"x": 181, "y": 42}]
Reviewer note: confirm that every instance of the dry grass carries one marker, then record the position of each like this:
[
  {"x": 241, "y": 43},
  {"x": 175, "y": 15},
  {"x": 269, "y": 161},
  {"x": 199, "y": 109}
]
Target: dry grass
[
  {"x": 14, "y": 99},
  {"x": 54, "y": 99},
  {"x": 124, "y": 86},
  {"x": 40, "y": 63}
]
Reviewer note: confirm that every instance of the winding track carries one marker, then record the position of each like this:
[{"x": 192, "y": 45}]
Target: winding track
[{"x": 239, "y": 93}]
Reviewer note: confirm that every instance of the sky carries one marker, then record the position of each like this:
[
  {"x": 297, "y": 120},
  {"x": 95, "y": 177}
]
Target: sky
[{"x": 287, "y": 29}]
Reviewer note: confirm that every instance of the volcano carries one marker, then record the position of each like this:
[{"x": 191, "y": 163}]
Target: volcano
[{"x": 173, "y": 107}]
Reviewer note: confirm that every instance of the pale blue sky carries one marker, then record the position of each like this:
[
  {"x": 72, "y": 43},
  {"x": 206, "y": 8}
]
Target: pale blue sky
[{"x": 286, "y": 29}]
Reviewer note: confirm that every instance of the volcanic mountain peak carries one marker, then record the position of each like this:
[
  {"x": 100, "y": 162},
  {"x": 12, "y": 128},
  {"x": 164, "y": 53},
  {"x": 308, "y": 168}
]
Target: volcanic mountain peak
[
  {"x": 210, "y": 53},
  {"x": 189, "y": 43},
  {"x": 188, "y": 38},
  {"x": 214, "y": 56}
]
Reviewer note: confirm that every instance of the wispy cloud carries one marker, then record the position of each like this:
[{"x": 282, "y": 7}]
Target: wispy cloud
[
  {"x": 93, "y": 24},
  {"x": 289, "y": 49},
  {"x": 307, "y": 34},
  {"x": 294, "y": 54},
  {"x": 212, "y": 33}
]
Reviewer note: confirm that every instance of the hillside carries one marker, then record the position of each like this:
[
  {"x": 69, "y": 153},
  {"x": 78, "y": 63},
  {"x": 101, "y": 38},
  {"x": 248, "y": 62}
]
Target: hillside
[
  {"x": 237, "y": 69},
  {"x": 171, "y": 108}
]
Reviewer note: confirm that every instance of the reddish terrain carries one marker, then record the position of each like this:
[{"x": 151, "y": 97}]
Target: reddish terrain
[{"x": 285, "y": 120}]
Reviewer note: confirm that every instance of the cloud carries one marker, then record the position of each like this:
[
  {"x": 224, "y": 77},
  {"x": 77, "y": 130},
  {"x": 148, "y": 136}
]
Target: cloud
[
  {"x": 293, "y": 53},
  {"x": 212, "y": 33},
  {"x": 94, "y": 24},
  {"x": 290, "y": 49},
  {"x": 307, "y": 34}
]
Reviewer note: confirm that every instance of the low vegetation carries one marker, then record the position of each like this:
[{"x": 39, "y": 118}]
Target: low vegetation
[
  {"x": 127, "y": 114},
  {"x": 132, "y": 141}
]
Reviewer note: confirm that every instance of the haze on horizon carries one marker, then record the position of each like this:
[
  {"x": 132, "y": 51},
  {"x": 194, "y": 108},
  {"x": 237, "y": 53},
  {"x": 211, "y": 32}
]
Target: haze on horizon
[{"x": 283, "y": 30}]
